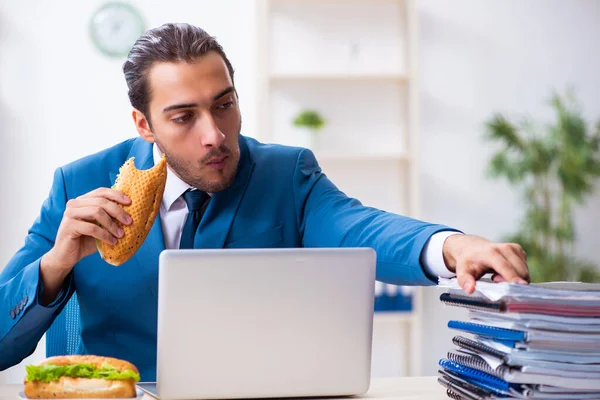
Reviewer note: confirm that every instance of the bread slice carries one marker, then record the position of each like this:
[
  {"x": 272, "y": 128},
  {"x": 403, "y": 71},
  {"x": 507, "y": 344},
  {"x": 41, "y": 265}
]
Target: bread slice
[
  {"x": 69, "y": 387},
  {"x": 80, "y": 388},
  {"x": 145, "y": 188}
]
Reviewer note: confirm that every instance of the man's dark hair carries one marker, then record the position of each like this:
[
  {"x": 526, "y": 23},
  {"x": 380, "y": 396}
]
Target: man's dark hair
[{"x": 173, "y": 42}]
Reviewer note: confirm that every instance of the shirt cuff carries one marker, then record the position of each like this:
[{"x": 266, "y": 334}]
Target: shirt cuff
[{"x": 433, "y": 256}]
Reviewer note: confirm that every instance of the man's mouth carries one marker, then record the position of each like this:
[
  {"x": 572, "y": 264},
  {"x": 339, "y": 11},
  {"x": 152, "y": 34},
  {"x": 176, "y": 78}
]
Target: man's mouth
[{"x": 217, "y": 162}]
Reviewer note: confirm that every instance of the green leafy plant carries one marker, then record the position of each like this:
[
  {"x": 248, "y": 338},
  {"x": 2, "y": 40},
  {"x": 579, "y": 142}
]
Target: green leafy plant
[
  {"x": 309, "y": 119},
  {"x": 556, "y": 167}
]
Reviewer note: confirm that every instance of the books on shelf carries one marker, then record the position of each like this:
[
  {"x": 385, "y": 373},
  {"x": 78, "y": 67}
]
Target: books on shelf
[
  {"x": 392, "y": 298},
  {"x": 539, "y": 341}
]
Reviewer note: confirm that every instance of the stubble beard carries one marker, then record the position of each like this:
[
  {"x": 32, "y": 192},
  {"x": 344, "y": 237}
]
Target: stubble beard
[{"x": 181, "y": 168}]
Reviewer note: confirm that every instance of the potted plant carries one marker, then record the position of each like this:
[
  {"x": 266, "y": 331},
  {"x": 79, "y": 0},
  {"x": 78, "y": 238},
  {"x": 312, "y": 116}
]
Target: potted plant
[
  {"x": 308, "y": 122},
  {"x": 556, "y": 168}
]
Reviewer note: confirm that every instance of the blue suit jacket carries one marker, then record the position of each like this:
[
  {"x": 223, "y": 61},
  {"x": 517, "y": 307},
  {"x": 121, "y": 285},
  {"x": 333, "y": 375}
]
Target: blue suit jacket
[{"x": 280, "y": 198}]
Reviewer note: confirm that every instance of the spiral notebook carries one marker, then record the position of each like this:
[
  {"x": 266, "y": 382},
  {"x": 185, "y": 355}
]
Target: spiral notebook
[
  {"x": 495, "y": 358},
  {"x": 476, "y": 387},
  {"x": 488, "y": 331},
  {"x": 518, "y": 357},
  {"x": 563, "y": 307},
  {"x": 549, "y": 291},
  {"x": 463, "y": 390},
  {"x": 530, "y": 375},
  {"x": 533, "y": 338},
  {"x": 458, "y": 387},
  {"x": 536, "y": 321},
  {"x": 477, "y": 377}
]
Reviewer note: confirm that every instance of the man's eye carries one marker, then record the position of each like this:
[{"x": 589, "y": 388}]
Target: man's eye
[
  {"x": 184, "y": 118},
  {"x": 224, "y": 106}
]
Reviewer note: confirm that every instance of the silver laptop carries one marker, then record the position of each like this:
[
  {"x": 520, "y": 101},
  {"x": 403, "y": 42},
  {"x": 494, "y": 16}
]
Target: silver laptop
[{"x": 262, "y": 323}]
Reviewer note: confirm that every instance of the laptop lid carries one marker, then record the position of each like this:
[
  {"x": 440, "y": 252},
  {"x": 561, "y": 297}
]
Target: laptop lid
[{"x": 265, "y": 322}]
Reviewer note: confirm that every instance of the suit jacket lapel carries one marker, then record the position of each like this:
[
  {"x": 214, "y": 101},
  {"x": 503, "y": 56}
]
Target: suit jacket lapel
[
  {"x": 218, "y": 217},
  {"x": 154, "y": 244}
]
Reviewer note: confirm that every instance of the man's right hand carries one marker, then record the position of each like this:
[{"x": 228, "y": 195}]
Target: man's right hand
[{"x": 91, "y": 216}]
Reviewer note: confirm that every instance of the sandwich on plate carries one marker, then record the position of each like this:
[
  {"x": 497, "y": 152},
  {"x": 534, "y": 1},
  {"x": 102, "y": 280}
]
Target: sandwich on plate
[{"x": 81, "y": 376}]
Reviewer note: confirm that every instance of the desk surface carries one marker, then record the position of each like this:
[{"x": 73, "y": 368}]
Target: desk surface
[{"x": 419, "y": 388}]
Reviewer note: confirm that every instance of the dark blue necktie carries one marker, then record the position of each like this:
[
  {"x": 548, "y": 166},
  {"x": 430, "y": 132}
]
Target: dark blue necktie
[{"x": 195, "y": 200}]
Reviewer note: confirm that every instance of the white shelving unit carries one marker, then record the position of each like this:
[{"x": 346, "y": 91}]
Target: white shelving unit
[
  {"x": 355, "y": 62},
  {"x": 282, "y": 77}
]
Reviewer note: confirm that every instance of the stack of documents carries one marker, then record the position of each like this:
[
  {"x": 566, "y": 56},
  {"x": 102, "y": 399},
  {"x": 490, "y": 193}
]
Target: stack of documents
[{"x": 538, "y": 341}]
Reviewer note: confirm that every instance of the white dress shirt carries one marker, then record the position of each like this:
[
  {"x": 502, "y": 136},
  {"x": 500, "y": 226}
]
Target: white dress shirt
[
  {"x": 173, "y": 213},
  {"x": 173, "y": 209}
]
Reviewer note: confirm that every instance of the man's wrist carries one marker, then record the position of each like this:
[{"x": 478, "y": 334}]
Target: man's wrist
[
  {"x": 52, "y": 276},
  {"x": 432, "y": 257},
  {"x": 449, "y": 251},
  {"x": 50, "y": 261}
]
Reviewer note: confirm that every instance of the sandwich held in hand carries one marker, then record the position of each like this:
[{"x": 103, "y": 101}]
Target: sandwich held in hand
[
  {"x": 145, "y": 188},
  {"x": 81, "y": 376}
]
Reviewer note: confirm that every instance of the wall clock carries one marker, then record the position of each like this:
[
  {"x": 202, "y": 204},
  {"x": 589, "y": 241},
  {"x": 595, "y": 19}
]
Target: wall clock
[{"x": 115, "y": 27}]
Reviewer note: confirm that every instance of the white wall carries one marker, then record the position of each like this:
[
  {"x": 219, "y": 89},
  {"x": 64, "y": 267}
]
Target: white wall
[
  {"x": 483, "y": 56},
  {"x": 60, "y": 99}
]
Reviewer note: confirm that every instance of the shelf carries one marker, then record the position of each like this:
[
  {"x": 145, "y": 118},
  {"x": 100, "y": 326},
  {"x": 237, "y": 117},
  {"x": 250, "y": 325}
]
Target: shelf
[
  {"x": 335, "y": 1},
  {"x": 394, "y": 317},
  {"x": 356, "y": 62},
  {"x": 320, "y": 2},
  {"x": 280, "y": 77},
  {"x": 341, "y": 157}
]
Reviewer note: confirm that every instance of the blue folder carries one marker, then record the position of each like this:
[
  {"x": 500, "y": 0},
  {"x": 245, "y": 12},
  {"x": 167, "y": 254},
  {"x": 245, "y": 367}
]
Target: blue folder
[
  {"x": 491, "y": 332},
  {"x": 477, "y": 377}
]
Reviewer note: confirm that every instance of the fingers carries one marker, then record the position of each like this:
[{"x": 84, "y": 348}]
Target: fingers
[
  {"x": 104, "y": 203},
  {"x": 466, "y": 276},
  {"x": 83, "y": 228},
  {"x": 506, "y": 261},
  {"x": 516, "y": 270},
  {"x": 113, "y": 210},
  {"x": 467, "y": 282},
  {"x": 98, "y": 207},
  {"x": 501, "y": 265},
  {"x": 515, "y": 256},
  {"x": 520, "y": 251},
  {"x": 99, "y": 215},
  {"x": 477, "y": 256},
  {"x": 110, "y": 194}
]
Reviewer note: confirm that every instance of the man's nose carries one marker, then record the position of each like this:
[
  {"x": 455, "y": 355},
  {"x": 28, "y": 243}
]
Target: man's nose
[{"x": 211, "y": 135}]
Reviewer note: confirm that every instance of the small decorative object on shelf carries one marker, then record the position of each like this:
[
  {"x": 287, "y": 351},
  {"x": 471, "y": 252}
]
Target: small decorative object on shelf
[{"x": 309, "y": 122}]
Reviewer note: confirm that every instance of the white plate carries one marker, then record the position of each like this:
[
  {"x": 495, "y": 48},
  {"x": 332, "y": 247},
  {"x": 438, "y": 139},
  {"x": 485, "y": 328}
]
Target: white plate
[{"x": 138, "y": 392}]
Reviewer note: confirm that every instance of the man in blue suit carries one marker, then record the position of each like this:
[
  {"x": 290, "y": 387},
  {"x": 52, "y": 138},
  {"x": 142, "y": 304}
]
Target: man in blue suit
[{"x": 248, "y": 194}]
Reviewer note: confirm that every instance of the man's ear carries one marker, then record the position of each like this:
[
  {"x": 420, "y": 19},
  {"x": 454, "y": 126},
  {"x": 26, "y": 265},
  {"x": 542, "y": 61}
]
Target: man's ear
[{"x": 142, "y": 125}]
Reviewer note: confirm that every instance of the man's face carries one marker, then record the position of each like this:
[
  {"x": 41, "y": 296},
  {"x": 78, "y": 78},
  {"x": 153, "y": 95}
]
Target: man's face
[{"x": 196, "y": 121}]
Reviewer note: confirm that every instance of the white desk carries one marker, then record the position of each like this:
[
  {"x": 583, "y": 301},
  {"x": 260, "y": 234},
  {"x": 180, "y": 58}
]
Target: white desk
[{"x": 420, "y": 388}]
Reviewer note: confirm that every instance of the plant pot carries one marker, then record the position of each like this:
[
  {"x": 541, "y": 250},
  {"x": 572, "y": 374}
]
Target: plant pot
[{"x": 304, "y": 137}]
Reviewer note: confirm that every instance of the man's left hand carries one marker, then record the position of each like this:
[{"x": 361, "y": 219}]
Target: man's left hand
[{"x": 471, "y": 257}]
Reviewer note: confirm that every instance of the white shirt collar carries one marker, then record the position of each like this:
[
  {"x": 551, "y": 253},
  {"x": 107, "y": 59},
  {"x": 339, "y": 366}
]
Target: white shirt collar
[{"x": 174, "y": 186}]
